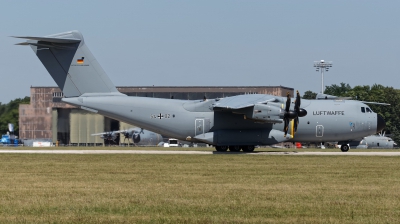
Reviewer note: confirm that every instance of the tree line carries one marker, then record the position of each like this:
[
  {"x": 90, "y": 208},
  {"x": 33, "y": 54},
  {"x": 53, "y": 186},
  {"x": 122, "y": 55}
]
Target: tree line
[
  {"x": 9, "y": 114},
  {"x": 374, "y": 93}
]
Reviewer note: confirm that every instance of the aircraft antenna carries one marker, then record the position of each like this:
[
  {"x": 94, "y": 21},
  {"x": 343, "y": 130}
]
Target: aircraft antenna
[{"x": 322, "y": 66}]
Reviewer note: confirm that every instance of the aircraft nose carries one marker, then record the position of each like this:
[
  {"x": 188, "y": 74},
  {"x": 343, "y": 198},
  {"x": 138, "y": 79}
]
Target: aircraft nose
[{"x": 381, "y": 124}]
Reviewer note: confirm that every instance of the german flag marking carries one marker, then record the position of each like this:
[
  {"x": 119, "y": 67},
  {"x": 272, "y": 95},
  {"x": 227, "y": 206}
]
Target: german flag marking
[{"x": 80, "y": 61}]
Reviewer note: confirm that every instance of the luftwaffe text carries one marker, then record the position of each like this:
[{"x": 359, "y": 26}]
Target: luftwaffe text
[{"x": 324, "y": 112}]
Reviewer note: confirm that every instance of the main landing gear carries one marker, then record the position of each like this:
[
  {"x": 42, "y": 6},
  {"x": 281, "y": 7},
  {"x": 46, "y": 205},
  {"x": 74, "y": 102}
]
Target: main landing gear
[
  {"x": 235, "y": 148},
  {"x": 344, "y": 147}
]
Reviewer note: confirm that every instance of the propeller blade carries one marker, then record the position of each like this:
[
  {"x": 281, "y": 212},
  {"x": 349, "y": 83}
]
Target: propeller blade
[
  {"x": 297, "y": 109},
  {"x": 296, "y": 123},
  {"x": 297, "y": 103},
  {"x": 285, "y": 128},
  {"x": 293, "y": 114},
  {"x": 286, "y": 116},
  {"x": 288, "y": 101}
]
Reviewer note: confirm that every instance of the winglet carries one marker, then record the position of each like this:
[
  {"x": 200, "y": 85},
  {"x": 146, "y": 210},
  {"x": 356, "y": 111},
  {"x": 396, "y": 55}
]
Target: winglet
[{"x": 59, "y": 40}]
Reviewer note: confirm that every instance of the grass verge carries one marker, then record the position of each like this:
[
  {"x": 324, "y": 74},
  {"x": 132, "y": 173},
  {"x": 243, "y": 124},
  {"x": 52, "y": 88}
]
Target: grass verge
[{"x": 37, "y": 188}]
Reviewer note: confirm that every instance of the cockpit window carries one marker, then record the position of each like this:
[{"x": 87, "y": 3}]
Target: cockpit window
[
  {"x": 363, "y": 109},
  {"x": 369, "y": 110}
]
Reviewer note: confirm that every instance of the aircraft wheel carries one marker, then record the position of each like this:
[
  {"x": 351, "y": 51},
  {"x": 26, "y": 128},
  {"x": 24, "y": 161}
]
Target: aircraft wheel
[
  {"x": 234, "y": 148},
  {"x": 222, "y": 148},
  {"x": 344, "y": 148},
  {"x": 248, "y": 148}
]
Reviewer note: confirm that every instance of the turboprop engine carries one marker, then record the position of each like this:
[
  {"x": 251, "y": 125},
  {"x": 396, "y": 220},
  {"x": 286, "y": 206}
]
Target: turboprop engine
[{"x": 273, "y": 112}]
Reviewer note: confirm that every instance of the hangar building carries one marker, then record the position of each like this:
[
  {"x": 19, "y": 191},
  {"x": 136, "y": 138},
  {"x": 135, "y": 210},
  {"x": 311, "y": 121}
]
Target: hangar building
[{"x": 48, "y": 119}]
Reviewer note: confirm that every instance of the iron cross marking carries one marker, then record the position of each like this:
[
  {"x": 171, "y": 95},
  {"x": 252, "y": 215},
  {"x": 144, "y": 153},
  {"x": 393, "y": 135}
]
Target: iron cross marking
[{"x": 160, "y": 116}]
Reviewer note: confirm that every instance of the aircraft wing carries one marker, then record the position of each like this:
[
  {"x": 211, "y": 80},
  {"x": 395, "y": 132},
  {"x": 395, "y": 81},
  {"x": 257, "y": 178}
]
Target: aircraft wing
[
  {"x": 110, "y": 132},
  {"x": 243, "y": 101},
  {"x": 384, "y": 104},
  {"x": 257, "y": 107},
  {"x": 103, "y": 133},
  {"x": 321, "y": 96}
]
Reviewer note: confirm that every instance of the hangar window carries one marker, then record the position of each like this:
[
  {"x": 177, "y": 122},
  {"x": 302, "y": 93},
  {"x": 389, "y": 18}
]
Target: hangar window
[
  {"x": 58, "y": 95},
  {"x": 363, "y": 109},
  {"x": 369, "y": 110}
]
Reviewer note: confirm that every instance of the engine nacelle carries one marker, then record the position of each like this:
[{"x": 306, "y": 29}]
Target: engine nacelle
[
  {"x": 268, "y": 113},
  {"x": 136, "y": 138}
]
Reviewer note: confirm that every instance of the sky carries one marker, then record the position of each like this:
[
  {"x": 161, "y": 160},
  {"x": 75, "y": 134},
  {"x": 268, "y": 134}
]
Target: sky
[{"x": 210, "y": 43}]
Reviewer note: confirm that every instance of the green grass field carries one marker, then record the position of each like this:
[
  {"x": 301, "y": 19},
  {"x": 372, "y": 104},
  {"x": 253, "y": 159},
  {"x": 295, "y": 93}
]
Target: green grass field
[
  {"x": 224, "y": 188},
  {"x": 263, "y": 149}
]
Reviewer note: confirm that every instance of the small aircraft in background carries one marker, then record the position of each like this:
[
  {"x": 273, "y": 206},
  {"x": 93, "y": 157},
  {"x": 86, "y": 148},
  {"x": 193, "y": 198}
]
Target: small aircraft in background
[
  {"x": 374, "y": 141},
  {"x": 109, "y": 136},
  {"x": 142, "y": 137},
  {"x": 139, "y": 136}
]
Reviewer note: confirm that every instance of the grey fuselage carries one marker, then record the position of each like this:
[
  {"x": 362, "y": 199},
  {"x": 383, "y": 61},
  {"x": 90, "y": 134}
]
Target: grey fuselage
[{"x": 326, "y": 120}]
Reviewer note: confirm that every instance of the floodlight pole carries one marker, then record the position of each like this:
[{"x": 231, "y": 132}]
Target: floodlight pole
[
  {"x": 322, "y": 81},
  {"x": 323, "y": 66}
]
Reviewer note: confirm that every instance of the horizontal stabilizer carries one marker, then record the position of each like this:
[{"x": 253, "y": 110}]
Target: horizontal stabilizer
[{"x": 51, "y": 39}]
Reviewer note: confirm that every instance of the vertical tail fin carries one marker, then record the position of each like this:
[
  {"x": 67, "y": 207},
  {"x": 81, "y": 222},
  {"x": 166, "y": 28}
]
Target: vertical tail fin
[{"x": 71, "y": 64}]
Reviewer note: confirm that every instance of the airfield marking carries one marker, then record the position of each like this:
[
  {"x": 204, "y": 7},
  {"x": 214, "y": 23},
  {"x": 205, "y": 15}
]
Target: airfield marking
[{"x": 162, "y": 152}]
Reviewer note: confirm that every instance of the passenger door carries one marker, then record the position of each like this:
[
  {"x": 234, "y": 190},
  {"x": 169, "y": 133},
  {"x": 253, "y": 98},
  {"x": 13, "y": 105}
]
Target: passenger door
[
  {"x": 199, "y": 126},
  {"x": 319, "y": 131}
]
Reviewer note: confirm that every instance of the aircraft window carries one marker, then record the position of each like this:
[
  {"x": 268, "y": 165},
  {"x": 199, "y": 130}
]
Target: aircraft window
[
  {"x": 369, "y": 110},
  {"x": 363, "y": 109}
]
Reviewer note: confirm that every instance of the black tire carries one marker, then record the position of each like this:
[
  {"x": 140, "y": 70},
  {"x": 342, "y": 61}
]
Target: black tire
[
  {"x": 248, "y": 148},
  {"x": 344, "y": 148},
  {"x": 222, "y": 148},
  {"x": 234, "y": 148}
]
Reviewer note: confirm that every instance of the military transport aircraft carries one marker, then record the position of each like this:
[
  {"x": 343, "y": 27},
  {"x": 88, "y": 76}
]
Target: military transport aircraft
[
  {"x": 109, "y": 135},
  {"x": 238, "y": 123},
  {"x": 139, "y": 136},
  {"x": 374, "y": 141}
]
